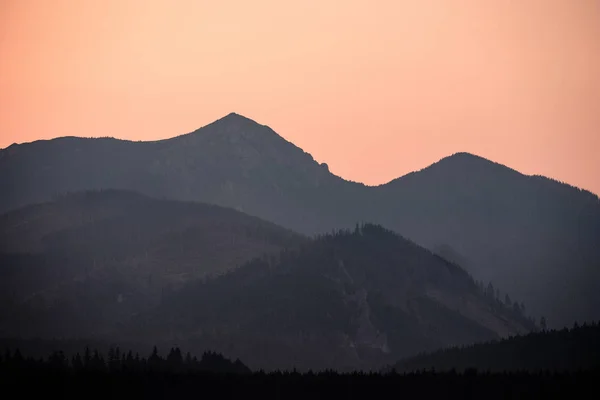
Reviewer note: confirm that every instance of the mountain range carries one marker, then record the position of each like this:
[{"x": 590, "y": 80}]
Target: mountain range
[
  {"x": 119, "y": 267},
  {"x": 534, "y": 237}
]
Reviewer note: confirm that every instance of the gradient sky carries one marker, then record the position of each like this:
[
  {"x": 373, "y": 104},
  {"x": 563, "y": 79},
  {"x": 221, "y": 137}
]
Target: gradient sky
[{"x": 375, "y": 88}]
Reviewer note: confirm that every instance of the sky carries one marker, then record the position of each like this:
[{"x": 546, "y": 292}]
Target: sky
[{"x": 375, "y": 88}]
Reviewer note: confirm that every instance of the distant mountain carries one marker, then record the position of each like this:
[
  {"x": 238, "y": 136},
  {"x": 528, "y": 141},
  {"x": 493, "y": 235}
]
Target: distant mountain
[
  {"x": 346, "y": 300},
  {"x": 533, "y": 237},
  {"x": 84, "y": 262},
  {"x": 555, "y": 350}
]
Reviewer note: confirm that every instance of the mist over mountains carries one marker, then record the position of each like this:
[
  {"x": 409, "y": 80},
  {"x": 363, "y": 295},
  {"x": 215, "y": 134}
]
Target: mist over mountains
[
  {"x": 533, "y": 237},
  {"x": 228, "y": 260},
  {"x": 118, "y": 267},
  {"x": 348, "y": 300}
]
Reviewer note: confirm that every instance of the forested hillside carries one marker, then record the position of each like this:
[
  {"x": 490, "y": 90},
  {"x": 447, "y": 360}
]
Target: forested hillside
[
  {"x": 562, "y": 350},
  {"x": 347, "y": 300}
]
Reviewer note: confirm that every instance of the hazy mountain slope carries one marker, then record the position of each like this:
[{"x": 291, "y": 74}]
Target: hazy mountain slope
[
  {"x": 233, "y": 162},
  {"x": 533, "y": 237},
  {"x": 349, "y": 300},
  {"x": 563, "y": 350},
  {"x": 93, "y": 258}
]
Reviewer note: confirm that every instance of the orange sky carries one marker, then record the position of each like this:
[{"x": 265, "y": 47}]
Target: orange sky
[{"x": 375, "y": 88}]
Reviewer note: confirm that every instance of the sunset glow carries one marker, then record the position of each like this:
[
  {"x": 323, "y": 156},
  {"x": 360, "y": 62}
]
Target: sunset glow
[{"x": 374, "y": 88}]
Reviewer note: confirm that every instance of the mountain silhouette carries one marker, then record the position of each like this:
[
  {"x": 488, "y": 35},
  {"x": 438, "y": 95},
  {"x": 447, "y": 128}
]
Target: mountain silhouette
[
  {"x": 534, "y": 237},
  {"x": 531, "y": 235},
  {"x": 233, "y": 162}
]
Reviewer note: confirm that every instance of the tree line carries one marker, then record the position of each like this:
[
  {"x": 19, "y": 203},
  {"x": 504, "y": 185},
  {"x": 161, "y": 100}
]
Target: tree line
[
  {"x": 56, "y": 377},
  {"x": 572, "y": 349},
  {"x": 117, "y": 361},
  {"x": 516, "y": 308}
]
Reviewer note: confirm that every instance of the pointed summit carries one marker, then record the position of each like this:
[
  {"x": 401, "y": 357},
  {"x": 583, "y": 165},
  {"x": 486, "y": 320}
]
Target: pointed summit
[
  {"x": 236, "y": 141},
  {"x": 234, "y": 117},
  {"x": 232, "y": 128},
  {"x": 232, "y": 122}
]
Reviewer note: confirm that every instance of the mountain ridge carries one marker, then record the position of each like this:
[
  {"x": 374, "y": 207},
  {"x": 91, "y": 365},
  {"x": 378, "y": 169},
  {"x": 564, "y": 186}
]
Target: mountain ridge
[
  {"x": 239, "y": 119},
  {"x": 534, "y": 237},
  {"x": 119, "y": 266}
]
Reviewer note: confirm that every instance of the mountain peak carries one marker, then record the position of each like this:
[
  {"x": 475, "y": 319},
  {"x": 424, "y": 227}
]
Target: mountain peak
[
  {"x": 236, "y": 137},
  {"x": 459, "y": 166},
  {"x": 467, "y": 161},
  {"x": 233, "y": 116},
  {"x": 231, "y": 124},
  {"x": 235, "y": 121},
  {"x": 463, "y": 155}
]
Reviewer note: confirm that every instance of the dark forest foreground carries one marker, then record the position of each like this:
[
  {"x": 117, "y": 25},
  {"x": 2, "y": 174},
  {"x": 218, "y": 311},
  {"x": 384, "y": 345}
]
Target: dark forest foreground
[
  {"x": 550, "y": 364},
  {"x": 155, "y": 385},
  {"x": 214, "y": 376}
]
